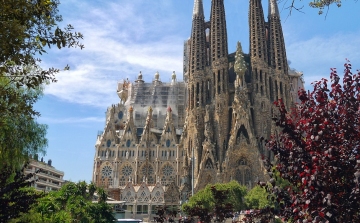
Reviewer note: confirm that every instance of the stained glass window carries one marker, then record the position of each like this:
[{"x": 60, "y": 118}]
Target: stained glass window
[
  {"x": 106, "y": 171},
  {"x": 127, "y": 170},
  {"x": 147, "y": 170},
  {"x": 168, "y": 170}
]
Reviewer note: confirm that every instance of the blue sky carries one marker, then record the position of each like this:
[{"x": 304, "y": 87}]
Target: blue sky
[{"x": 124, "y": 37}]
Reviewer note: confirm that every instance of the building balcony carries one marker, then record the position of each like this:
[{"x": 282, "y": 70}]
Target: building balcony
[{"x": 52, "y": 177}]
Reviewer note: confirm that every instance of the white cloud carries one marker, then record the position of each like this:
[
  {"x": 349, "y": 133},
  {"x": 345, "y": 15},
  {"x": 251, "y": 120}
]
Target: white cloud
[
  {"x": 118, "y": 44},
  {"x": 72, "y": 120},
  {"x": 315, "y": 56},
  {"x": 123, "y": 37}
]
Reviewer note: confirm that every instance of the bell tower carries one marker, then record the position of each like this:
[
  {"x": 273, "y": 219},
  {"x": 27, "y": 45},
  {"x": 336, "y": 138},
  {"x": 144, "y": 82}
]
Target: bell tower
[
  {"x": 220, "y": 76},
  {"x": 196, "y": 83},
  {"x": 277, "y": 53}
]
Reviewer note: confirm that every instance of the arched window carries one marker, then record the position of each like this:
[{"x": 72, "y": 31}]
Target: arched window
[
  {"x": 242, "y": 162},
  {"x": 239, "y": 177},
  {"x": 247, "y": 176}
]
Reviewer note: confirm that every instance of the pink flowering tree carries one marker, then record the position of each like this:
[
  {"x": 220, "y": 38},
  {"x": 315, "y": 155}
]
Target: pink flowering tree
[{"x": 317, "y": 152}]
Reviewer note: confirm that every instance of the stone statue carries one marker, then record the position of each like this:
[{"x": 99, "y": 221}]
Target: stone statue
[
  {"x": 127, "y": 155},
  {"x": 123, "y": 91},
  {"x": 208, "y": 129},
  {"x": 107, "y": 154},
  {"x": 240, "y": 67}
]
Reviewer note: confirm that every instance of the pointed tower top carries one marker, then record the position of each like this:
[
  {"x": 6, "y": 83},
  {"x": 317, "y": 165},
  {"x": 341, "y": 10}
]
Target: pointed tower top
[
  {"x": 198, "y": 8},
  {"x": 169, "y": 109},
  {"x": 131, "y": 109},
  {"x": 273, "y": 8}
]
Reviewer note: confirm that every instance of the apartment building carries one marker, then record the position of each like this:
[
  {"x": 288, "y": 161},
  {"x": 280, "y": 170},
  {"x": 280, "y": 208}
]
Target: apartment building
[{"x": 48, "y": 178}]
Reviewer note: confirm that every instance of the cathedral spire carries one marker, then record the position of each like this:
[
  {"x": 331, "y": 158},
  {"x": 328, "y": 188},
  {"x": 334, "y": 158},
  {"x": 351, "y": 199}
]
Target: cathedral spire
[
  {"x": 198, "y": 42},
  {"x": 277, "y": 53},
  {"x": 258, "y": 45},
  {"x": 198, "y": 9},
  {"x": 218, "y": 32},
  {"x": 219, "y": 75},
  {"x": 197, "y": 59},
  {"x": 273, "y": 8},
  {"x": 219, "y": 48}
]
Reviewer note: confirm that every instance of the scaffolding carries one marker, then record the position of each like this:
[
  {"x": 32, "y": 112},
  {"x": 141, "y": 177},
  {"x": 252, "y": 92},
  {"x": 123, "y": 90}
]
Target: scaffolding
[{"x": 159, "y": 96}]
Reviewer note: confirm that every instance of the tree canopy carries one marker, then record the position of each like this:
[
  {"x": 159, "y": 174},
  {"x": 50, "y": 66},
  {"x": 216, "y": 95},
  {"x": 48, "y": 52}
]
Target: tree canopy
[
  {"x": 257, "y": 198},
  {"x": 72, "y": 203},
  {"x": 20, "y": 134},
  {"x": 319, "y": 4},
  {"x": 317, "y": 152},
  {"x": 27, "y": 28},
  {"x": 216, "y": 200},
  {"x": 15, "y": 193}
]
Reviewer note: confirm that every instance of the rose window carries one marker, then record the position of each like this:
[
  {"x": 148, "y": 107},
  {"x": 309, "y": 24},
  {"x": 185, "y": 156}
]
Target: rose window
[
  {"x": 168, "y": 170},
  {"x": 127, "y": 170},
  {"x": 147, "y": 170},
  {"x": 106, "y": 171}
]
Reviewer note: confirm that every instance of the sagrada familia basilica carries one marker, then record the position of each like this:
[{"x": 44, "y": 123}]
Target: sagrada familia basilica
[{"x": 164, "y": 139}]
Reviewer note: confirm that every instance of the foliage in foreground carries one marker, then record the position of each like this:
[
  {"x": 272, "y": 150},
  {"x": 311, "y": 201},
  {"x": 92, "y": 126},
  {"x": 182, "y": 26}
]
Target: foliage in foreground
[
  {"x": 72, "y": 203},
  {"x": 28, "y": 28},
  {"x": 216, "y": 200},
  {"x": 20, "y": 134},
  {"x": 257, "y": 198},
  {"x": 16, "y": 195},
  {"x": 318, "y": 152},
  {"x": 318, "y": 4}
]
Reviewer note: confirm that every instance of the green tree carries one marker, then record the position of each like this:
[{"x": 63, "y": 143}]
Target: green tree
[
  {"x": 27, "y": 28},
  {"x": 20, "y": 134},
  {"x": 206, "y": 202},
  {"x": 16, "y": 195},
  {"x": 319, "y": 4},
  {"x": 72, "y": 203},
  {"x": 257, "y": 198}
]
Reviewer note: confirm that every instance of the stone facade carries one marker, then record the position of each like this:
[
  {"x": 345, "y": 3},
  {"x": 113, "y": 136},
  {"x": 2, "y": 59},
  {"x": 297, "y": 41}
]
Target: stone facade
[{"x": 207, "y": 126}]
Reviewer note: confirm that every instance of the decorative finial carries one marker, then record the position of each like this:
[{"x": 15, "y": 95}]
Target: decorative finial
[
  {"x": 131, "y": 109},
  {"x": 150, "y": 109},
  {"x": 169, "y": 109},
  {"x": 173, "y": 76}
]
